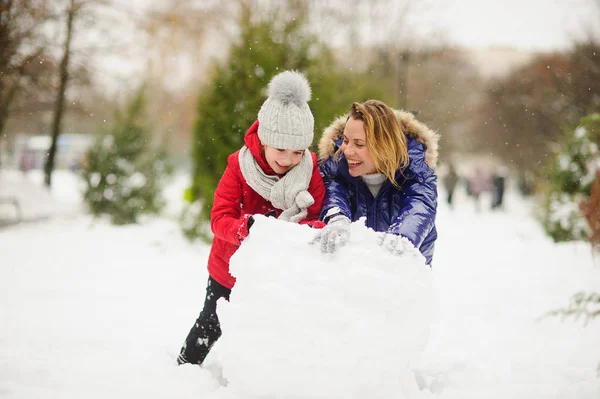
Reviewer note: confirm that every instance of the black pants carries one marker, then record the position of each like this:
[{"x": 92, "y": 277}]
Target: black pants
[{"x": 206, "y": 330}]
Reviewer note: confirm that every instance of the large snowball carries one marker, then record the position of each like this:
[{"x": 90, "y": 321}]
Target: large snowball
[{"x": 305, "y": 324}]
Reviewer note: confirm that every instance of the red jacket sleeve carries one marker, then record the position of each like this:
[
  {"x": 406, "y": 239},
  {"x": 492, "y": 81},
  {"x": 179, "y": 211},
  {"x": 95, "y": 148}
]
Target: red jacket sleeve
[
  {"x": 226, "y": 218},
  {"x": 316, "y": 188}
]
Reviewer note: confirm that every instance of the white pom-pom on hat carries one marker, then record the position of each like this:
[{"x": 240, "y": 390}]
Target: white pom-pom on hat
[
  {"x": 285, "y": 120},
  {"x": 290, "y": 87}
]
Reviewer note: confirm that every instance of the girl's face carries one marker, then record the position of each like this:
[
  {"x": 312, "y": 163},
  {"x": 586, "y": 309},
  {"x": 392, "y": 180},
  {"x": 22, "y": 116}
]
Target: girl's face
[
  {"x": 280, "y": 160},
  {"x": 355, "y": 149}
]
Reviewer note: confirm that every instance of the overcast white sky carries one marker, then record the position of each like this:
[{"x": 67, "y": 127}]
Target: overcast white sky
[
  {"x": 539, "y": 25},
  {"x": 524, "y": 24}
]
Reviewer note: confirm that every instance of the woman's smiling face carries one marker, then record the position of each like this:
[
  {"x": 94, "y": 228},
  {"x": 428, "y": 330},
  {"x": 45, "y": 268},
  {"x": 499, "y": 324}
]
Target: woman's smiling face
[{"x": 355, "y": 149}]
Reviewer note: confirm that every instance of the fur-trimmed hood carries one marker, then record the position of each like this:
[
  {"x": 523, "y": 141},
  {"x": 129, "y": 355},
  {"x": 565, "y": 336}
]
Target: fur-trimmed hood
[{"x": 409, "y": 125}]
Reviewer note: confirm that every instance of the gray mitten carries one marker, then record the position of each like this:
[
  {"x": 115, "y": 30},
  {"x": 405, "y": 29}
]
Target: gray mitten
[
  {"x": 335, "y": 235},
  {"x": 395, "y": 244}
]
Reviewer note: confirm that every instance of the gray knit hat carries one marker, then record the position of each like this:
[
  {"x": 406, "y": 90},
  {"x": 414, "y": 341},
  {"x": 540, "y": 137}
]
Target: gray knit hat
[{"x": 285, "y": 120}]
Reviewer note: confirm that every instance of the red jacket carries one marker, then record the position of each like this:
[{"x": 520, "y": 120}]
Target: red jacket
[{"x": 235, "y": 201}]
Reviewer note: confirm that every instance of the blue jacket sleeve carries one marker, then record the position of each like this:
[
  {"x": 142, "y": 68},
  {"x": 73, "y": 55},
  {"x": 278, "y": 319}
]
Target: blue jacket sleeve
[
  {"x": 336, "y": 191},
  {"x": 417, "y": 214}
]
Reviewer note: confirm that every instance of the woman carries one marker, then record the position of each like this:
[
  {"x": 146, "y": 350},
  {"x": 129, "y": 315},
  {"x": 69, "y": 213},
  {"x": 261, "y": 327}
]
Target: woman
[{"x": 378, "y": 164}]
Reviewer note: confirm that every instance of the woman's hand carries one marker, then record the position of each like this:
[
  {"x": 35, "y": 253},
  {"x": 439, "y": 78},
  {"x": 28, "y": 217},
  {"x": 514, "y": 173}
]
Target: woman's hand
[
  {"x": 395, "y": 244},
  {"x": 334, "y": 235}
]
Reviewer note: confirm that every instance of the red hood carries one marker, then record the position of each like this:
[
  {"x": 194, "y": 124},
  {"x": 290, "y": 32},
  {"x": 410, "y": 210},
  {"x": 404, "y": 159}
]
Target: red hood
[{"x": 253, "y": 143}]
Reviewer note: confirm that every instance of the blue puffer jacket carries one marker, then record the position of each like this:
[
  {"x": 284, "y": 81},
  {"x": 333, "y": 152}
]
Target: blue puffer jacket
[{"x": 408, "y": 211}]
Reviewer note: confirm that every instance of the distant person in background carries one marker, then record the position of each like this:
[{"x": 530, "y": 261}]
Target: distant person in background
[
  {"x": 498, "y": 182},
  {"x": 73, "y": 165},
  {"x": 377, "y": 164},
  {"x": 468, "y": 187},
  {"x": 25, "y": 162},
  {"x": 450, "y": 180},
  {"x": 525, "y": 184},
  {"x": 479, "y": 183}
]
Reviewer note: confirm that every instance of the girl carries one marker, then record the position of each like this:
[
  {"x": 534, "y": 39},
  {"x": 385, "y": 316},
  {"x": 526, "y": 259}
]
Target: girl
[
  {"x": 274, "y": 174},
  {"x": 378, "y": 163}
]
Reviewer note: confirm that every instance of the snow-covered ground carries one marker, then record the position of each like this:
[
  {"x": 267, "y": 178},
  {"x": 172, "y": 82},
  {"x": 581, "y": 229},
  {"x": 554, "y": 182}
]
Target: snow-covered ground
[{"x": 92, "y": 310}]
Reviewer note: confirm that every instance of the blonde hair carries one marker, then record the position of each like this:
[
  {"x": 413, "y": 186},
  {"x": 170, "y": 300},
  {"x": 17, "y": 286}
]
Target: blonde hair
[{"x": 384, "y": 137}]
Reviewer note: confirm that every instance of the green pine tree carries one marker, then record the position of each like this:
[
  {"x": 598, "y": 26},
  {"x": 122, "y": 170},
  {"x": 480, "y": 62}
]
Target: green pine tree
[
  {"x": 228, "y": 106},
  {"x": 571, "y": 173},
  {"x": 123, "y": 173}
]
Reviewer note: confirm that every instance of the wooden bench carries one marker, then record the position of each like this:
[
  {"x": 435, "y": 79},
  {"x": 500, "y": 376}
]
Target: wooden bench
[{"x": 14, "y": 202}]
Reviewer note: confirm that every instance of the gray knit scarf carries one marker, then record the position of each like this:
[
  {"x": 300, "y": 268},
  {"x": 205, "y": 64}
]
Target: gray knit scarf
[{"x": 289, "y": 193}]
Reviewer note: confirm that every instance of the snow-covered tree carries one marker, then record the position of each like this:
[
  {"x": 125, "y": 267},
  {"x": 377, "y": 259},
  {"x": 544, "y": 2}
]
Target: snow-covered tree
[
  {"x": 570, "y": 209},
  {"x": 569, "y": 181},
  {"x": 123, "y": 172}
]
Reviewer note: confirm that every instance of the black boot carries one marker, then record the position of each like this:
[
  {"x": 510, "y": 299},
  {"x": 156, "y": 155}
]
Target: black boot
[
  {"x": 206, "y": 330},
  {"x": 203, "y": 335}
]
